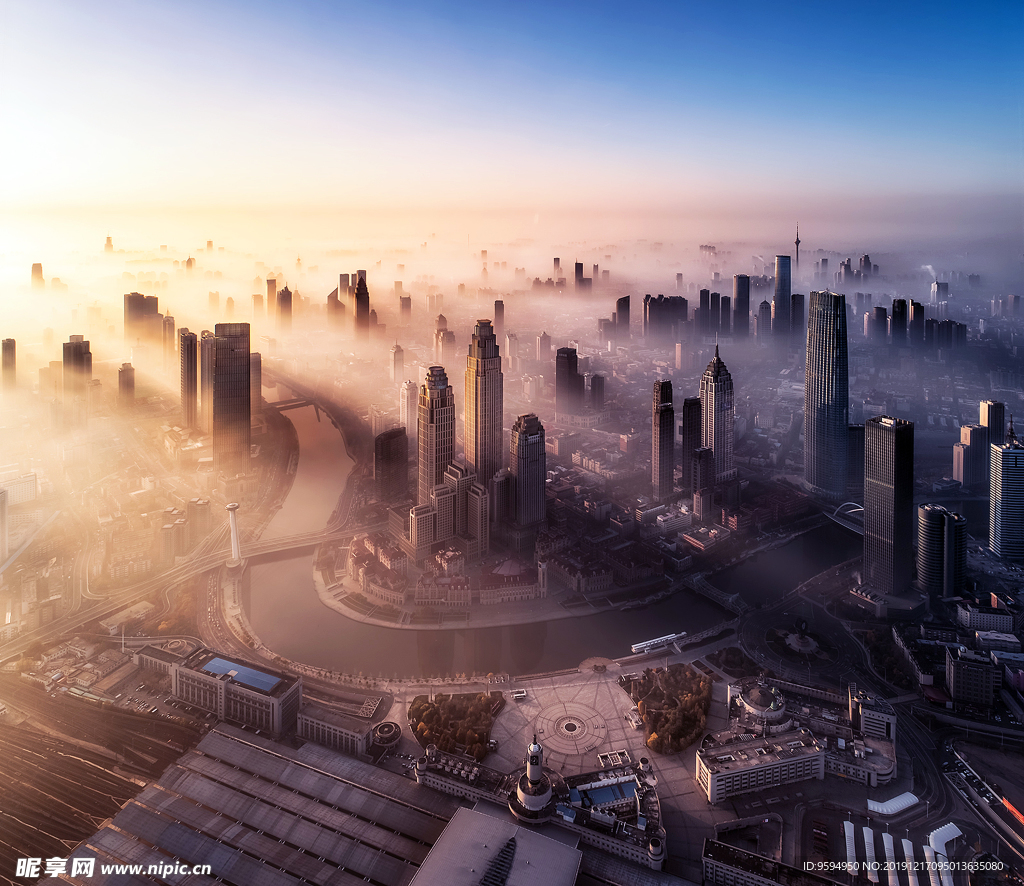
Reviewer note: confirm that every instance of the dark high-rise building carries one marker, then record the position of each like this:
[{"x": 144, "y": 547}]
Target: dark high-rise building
[
  {"x": 271, "y": 294},
  {"x": 741, "y": 305},
  {"x": 764, "y": 323},
  {"x": 622, "y": 319},
  {"x": 361, "y": 301},
  {"x": 484, "y": 403},
  {"x": 126, "y": 386},
  {"x": 335, "y": 311},
  {"x": 855, "y": 462},
  {"x": 915, "y": 327},
  {"x": 188, "y": 356},
  {"x": 391, "y": 465},
  {"x": 579, "y": 274},
  {"x": 796, "y": 316},
  {"x": 691, "y": 437},
  {"x": 971, "y": 457},
  {"x": 140, "y": 312},
  {"x": 900, "y": 322},
  {"x": 207, "y": 348},
  {"x": 941, "y": 551},
  {"x": 435, "y": 432},
  {"x": 888, "y": 503},
  {"x": 664, "y": 317},
  {"x": 597, "y": 392},
  {"x": 231, "y": 398},
  {"x": 725, "y": 316},
  {"x": 714, "y": 315},
  {"x": 1006, "y": 498},
  {"x": 405, "y": 310},
  {"x": 76, "y": 375},
  {"x": 10, "y": 377},
  {"x": 992, "y": 416},
  {"x": 499, "y": 319},
  {"x": 170, "y": 343},
  {"x": 528, "y": 466},
  {"x": 284, "y": 310},
  {"x": 568, "y": 383},
  {"x": 826, "y": 396},
  {"x": 663, "y": 429},
  {"x": 877, "y": 325},
  {"x": 781, "y": 323},
  {"x": 256, "y": 383},
  {"x": 718, "y": 416},
  {"x": 543, "y": 347}
]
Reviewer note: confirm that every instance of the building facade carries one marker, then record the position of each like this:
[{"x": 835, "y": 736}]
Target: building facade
[
  {"x": 826, "y": 396},
  {"x": 941, "y": 551},
  {"x": 888, "y": 503},
  {"x": 484, "y": 403},
  {"x": 231, "y": 398},
  {"x": 718, "y": 415},
  {"x": 663, "y": 421},
  {"x": 1006, "y": 498},
  {"x": 435, "y": 432}
]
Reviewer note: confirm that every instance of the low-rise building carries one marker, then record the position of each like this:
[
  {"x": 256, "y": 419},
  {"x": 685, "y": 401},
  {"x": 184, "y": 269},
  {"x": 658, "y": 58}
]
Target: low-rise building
[
  {"x": 334, "y": 730},
  {"x": 971, "y": 677}
]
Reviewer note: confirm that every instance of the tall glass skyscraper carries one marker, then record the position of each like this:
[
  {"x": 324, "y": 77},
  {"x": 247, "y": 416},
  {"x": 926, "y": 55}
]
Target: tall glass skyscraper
[
  {"x": 741, "y": 305},
  {"x": 1006, "y": 498},
  {"x": 528, "y": 465},
  {"x": 888, "y": 503},
  {"x": 826, "y": 396},
  {"x": 783, "y": 296},
  {"x": 718, "y": 416},
  {"x": 484, "y": 403},
  {"x": 188, "y": 354},
  {"x": 435, "y": 432},
  {"x": 663, "y": 429},
  {"x": 231, "y": 398},
  {"x": 941, "y": 551}
]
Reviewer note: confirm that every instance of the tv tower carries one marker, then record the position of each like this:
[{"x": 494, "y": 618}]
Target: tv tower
[{"x": 797, "y": 244}]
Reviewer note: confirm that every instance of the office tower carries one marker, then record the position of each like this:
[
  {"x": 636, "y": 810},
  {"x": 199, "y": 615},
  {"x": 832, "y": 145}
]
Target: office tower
[
  {"x": 231, "y": 398},
  {"x": 939, "y": 292},
  {"x": 188, "y": 357},
  {"x": 714, "y": 315},
  {"x": 992, "y": 416},
  {"x": 941, "y": 551},
  {"x": 764, "y": 323},
  {"x": 528, "y": 466},
  {"x": 704, "y": 312},
  {"x": 543, "y": 347},
  {"x": 796, "y": 243},
  {"x": 579, "y": 274},
  {"x": 718, "y": 416},
  {"x": 10, "y": 377},
  {"x": 126, "y": 386},
  {"x": 207, "y": 344},
  {"x": 568, "y": 383},
  {"x": 826, "y": 396},
  {"x": 499, "y": 319},
  {"x": 512, "y": 360},
  {"x": 888, "y": 503},
  {"x": 664, "y": 318},
  {"x": 284, "y": 311},
  {"x": 703, "y": 483},
  {"x": 597, "y": 392},
  {"x": 484, "y": 403},
  {"x": 781, "y": 322},
  {"x": 169, "y": 343},
  {"x": 335, "y": 311},
  {"x": 663, "y": 429},
  {"x": 271, "y": 294},
  {"x": 408, "y": 403},
  {"x": 396, "y": 368},
  {"x": 76, "y": 375},
  {"x": 899, "y": 322},
  {"x": 725, "y": 316},
  {"x": 877, "y": 325},
  {"x": 140, "y": 312},
  {"x": 971, "y": 456},
  {"x": 1006, "y": 498},
  {"x": 391, "y": 465},
  {"x": 691, "y": 437},
  {"x": 915, "y": 327},
  {"x": 796, "y": 316},
  {"x": 622, "y": 319},
  {"x": 855, "y": 462},
  {"x": 435, "y": 431},
  {"x": 405, "y": 310},
  {"x": 741, "y": 305},
  {"x": 256, "y": 383},
  {"x": 361, "y": 308},
  {"x": 557, "y": 267}
]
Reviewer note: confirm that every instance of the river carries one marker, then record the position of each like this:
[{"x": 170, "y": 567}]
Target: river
[{"x": 286, "y": 613}]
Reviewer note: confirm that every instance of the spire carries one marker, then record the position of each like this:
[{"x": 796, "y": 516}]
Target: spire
[{"x": 716, "y": 350}]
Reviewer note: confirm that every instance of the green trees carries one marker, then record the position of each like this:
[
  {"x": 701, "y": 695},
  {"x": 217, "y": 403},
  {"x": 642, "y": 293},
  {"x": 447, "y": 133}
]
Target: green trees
[{"x": 456, "y": 723}]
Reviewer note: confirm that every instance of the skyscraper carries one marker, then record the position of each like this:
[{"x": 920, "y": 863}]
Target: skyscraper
[
  {"x": 718, "y": 416},
  {"x": 543, "y": 347},
  {"x": 691, "y": 438},
  {"x": 256, "y": 383},
  {"x": 126, "y": 386},
  {"x": 396, "y": 368},
  {"x": 888, "y": 503},
  {"x": 231, "y": 398},
  {"x": 499, "y": 319},
  {"x": 391, "y": 465},
  {"x": 76, "y": 375},
  {"x": 941, "y": 551},
  {"x": 9, "y": 364},
  {"x": 622, "y": 319},
  {"x": 971, "y": 457},
  {"x": 764, "y": 323},
  {"x": 797, "y": 324},
  {"x": 408, "y": 401},
  {"x": 484, "y": 403},
  {"x": 741, "y": 305},
  {"x": 826, "y": 396},
  {"x": 140, "y": 311},
  {"x": 568, "y": 383},
  {"x": 435, "y": 432},
  {"x": 663, "y": 428},
  {"x": 361, "y": 313},
  {"x": 992, "y": 416},
  {"x": 783, "y": 293},
  {"x": 207, "y": 344},
  {"x": 284, "y": 310},
  {"x": 528, "y": 466},
  {"x": 900, "y": 322},
  {"x": 1006, "y": 498}
]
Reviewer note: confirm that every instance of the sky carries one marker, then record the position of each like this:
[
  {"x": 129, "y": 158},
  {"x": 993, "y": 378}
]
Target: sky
[{"x": 528, "y": 107}]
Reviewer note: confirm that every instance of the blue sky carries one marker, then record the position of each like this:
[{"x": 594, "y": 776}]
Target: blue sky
[{"x": 471, "y": 105}]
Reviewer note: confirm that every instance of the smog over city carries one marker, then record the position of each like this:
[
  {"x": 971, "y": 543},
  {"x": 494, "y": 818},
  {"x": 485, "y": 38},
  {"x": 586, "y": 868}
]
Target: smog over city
[{"x": 451, "y": 444}]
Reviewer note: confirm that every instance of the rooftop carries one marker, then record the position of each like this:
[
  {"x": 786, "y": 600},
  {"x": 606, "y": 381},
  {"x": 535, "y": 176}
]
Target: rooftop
[{"x": 273, "y": 683}]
